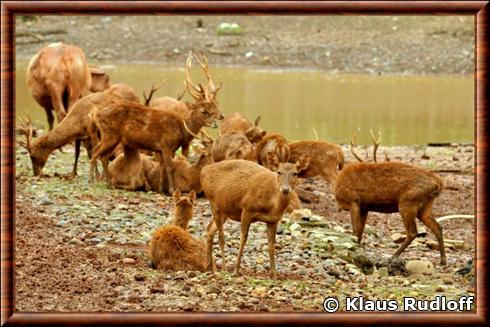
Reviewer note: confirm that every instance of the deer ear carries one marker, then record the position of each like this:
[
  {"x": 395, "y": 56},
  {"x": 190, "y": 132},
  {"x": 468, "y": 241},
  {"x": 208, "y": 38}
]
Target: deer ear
[
  {"x": 302, "y": 162},
  {"x": 273, "y": 161},
  {"x": 257, "y": 120},
  {"x": 177, "y": 195},
  {"x": 192, "y": 196},
  {"x": 263, "y": 133}
]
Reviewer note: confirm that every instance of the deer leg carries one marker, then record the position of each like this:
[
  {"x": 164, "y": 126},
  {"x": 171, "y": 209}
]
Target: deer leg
[
  {"x": 78, "y": 143},
  {"x": 271, "y": 239},
  {"x": 49, "y": 116},
  {"x": 56, "y": 99},
  {"x": 408, "y": 215},
  {"x": 245, "y": 222},
  {"x": 166, "y": 166},
  {"x": 210, "y": 240},
  {"x": 103, "y": 149},
  {"x": 355, "y": 215},
  {"x": 362, "y": 223},
  {"x": 433, "y": 225}
]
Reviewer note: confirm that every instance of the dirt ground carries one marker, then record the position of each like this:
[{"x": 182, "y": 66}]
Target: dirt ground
[
  {"x": 351, "y": 44},
  {"x": 81, "y": 247}
]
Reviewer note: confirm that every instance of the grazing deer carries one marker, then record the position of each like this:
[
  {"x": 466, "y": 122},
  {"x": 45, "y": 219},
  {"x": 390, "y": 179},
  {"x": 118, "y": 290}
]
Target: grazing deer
[
  {"x": 75, "y": 126},
  {"x": 172, "y": 248},
  {"x": 186, "y": 175},
  {"x": 238, "y": 123},
  {"x": 272, "y": 143},
  {"x": 389, "y": 187},
  {"x": 246, "y": 192},
  {"x": 232, "y": 146},
  {"x": 58, "y": 75},
  {"x": 126, "y": 171},
  {"x": 325, "y": 159}
]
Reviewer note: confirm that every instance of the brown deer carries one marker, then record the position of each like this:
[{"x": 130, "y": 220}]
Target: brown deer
[
  {"x": 272, "y": 143},
  {"x": 390, "y": 187},
  {"x": 238, "y": 123},
  {"x": 186, "y": 175},
  {"x": 58, "y": 75},
  {"x": 100, "y": 79},
  {"x": 75, "y": 126},
  {"x": 246, "y": 192},
  {"x": 126, "y": 171},
  {"x": 325, "y": 159},
  {"x": 172, "y": 248},
  {"x": 232, "y": 146}
]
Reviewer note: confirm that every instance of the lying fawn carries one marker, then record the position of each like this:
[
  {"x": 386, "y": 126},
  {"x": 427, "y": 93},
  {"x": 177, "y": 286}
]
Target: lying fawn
[
  {"x": 325, "y": 159},
  {"x": 126, "y": 171},
  {"x": 75, "y": 126},
  {"x": 390, "y": 187},
  {"x": 172, "y": 248},
  {"x": 238, "y": 123},
  {"x": 246, "y": 192}
]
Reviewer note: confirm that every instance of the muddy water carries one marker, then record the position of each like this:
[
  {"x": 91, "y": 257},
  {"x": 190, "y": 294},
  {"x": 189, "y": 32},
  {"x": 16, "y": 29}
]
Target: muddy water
[{"x": 301, "y": 104}]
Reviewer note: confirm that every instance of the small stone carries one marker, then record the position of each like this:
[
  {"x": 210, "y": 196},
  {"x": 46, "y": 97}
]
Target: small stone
[
  {"x": 398, "y": 237},
  {"x": 420, "y": 267},
  {"x": 440, "y": 289},
  {"x": 383, "y": 272},
  {"x": 181, "y": 275},
  {"x": 129, "y": 261},
  {"x": 139, "y": 277},
  {"x": 45, "y": 201},
  {"x": 93, "y": 240}
]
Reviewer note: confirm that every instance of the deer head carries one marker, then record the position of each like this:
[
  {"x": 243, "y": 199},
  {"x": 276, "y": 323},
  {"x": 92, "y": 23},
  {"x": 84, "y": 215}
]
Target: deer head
[
  {"x": 287, "y": 173},
  {"x": 184, "y": 206},
  {"x": 254, "y": 134},
  {"x": 205, "y": 96},
  {"x": 38, "y": 158},
  {"x": 100, "y": 79}
]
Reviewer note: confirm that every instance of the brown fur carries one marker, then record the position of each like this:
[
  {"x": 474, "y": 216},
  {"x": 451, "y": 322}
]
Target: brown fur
[
  {"x": 272, "y": 143},
  {"x": 325, "y": 159},
  {"x": 246, "y": 192},
  {"x": 186, "y": 175},
  {"x": 161, "y": 131},
  {"x": 75, "y": 126},
  {"x": 126, "y": 171},
  {"x": 100, "y": 79},
  {"x": 232, "y": 146},
  {"x": 390, "y": 187},
  {"x": 57, "y": 76},
  {"x": 172, "y": 248},
  {"x": 237, "y": 123}
]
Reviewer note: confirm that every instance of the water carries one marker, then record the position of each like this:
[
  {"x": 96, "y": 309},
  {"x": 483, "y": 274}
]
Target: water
[{"x": 301, "y": 104}]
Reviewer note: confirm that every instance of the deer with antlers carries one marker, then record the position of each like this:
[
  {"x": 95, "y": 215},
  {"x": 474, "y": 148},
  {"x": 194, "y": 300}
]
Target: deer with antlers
[
  {"x": 76, "y": 126},
  {"x": 161, "y": 131},
  {"x": 389, "y": 187}
]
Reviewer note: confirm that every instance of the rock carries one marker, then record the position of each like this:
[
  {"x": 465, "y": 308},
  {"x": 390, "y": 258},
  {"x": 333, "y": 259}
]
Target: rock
[
  {"x": 295, "y": 227},
  {"x": 383, "y": 272},
  {"x": 139, "y": 277},
  {"x": 300, "y": 214},
  {"x": 181, "y": 275},
  {"x": 45, "y": 201},
  {"x": 93, "y": 240},
  {"x": 420, "y": 267},
  {"x": 398, "y": 237},
  {"x": 129, "y": 261},
  {"x": 440, "y": 289}
]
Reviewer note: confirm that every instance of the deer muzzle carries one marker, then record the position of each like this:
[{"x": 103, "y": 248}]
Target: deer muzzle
[{"x": 285, "y": 189}]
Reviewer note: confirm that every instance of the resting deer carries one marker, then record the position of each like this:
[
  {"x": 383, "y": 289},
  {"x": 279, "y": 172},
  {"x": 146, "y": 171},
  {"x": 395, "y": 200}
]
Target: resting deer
[
  {"x": 186, "y": 175},
  {"x": 325, "y": 159},
  {"x": 232, "y": 146},
  {"x": 272, "y": 143},
  {"x": 58, "y": 75},
  {"x": 172, "y": 248},
  {"x": 126, "y": 171},
  {"x": 75, "y": 126},
  {"x": 390, "y": 187},
  {"x": 246, "y": 192},
  {"x": 238, "y": 123},
  {"x": 161, "y": 131}
]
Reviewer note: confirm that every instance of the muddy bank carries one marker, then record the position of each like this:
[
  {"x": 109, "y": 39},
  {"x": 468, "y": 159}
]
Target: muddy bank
[
  {"x": 350, "y": 44},
  {"x": 81, "y": 246}
]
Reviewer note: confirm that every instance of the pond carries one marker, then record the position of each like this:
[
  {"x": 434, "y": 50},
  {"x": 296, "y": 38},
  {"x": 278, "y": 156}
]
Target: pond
[{"x": 306, "y": 104}]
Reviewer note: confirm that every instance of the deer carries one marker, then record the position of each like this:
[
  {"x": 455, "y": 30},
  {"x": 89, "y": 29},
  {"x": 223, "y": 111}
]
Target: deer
[
  {"x": 238, "y": 123},
  {"x": 126, "y": 171},
  {"x": 246, "y": 192},
  {"x": 186, "y": 174},
  {"x": 58, "y": 75},
  {"x": 75, "y": 126},
  {"x": 325, "y": 159},
  {"x": 161, "y": 131},
  {"x": 272, "y": 143},
  {"x": 172, "y": 247},
  {"x": 232, "y": 146},
  {"x": 389, "y": 187}
]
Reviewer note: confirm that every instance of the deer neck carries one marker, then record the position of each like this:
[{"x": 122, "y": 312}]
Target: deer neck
[
  {"x": 282, "y": 202},
  {"x": 193, "y": 124}
]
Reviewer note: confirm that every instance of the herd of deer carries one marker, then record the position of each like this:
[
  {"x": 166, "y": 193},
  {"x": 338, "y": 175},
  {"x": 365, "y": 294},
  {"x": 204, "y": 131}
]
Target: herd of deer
[{"x": 247, "y": 174}]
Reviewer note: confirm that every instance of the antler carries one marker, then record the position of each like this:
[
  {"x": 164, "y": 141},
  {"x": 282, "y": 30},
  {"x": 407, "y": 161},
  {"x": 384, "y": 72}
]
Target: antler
[
  {"x": 375, "y": 142},
  {"x": 26, "y": 129},
  {"x": 153, "y": 90},
  {"x": 181, "y": 95},
  {"x": 210, "y": 140},
  {"x": 352, "y": 144},
  {"x": 194, "y": 90},
  {"x": 210, "y": 87}
]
